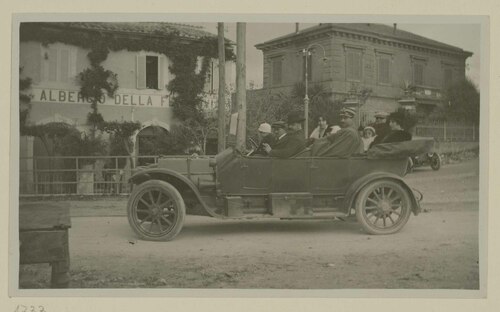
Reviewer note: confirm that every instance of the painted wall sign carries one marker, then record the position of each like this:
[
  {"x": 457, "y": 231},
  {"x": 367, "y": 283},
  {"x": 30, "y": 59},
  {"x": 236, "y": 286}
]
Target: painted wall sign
[{"x": 44, "y": 95}]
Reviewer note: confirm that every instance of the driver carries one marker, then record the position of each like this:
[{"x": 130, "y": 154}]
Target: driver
[
  {"x": 288, "y": 142},
  {"x": 265, "y": 137}
]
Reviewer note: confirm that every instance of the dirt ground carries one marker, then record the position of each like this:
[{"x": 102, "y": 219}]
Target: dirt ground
[{"x": 437, "y": 249}]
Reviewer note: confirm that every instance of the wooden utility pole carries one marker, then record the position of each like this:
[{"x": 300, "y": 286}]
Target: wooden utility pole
[
  {"x": 241, "y": 95},
  {"x": 221, "y": 109}
]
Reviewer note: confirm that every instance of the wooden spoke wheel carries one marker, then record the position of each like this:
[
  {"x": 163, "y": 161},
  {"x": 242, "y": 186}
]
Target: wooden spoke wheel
[
  {"x": 383, "y": 207},
  {"x": 435, "y": 161},
  {"x": 156, "y": 211}
]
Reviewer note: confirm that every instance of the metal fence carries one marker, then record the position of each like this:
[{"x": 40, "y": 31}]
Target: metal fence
[
  {"x": 447, "y": 133},
  {"x": 62, "y": 175}
]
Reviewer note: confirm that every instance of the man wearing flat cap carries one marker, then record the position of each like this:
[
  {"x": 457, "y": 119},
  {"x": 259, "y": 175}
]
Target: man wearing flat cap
[
  {"x": 381, "y": 127},
  {"x": 288, "y": 142},
  {"x": 344, "y": 143}
]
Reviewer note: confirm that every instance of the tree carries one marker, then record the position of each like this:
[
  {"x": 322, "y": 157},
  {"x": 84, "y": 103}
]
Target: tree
[
  {"x": 461, "y": 102},
  {"x": 95, "y": 84},
  {"x": 122, "y": 133}
]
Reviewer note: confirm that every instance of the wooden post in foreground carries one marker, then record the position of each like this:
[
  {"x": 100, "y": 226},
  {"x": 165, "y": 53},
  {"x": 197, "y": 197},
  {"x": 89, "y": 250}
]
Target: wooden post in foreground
[
  {"x": 241, "y": 85},
  {"x": 221, "y": 108}
]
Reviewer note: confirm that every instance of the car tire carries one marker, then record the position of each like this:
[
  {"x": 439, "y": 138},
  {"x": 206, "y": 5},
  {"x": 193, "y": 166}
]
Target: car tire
[
  {"x": 435, "y": 161},
  {"x": 156, "y": 211},
  {"x": 383, "y": 207}
]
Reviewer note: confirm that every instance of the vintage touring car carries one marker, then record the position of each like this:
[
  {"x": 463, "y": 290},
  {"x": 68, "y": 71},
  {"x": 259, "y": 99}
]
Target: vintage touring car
[{"x": 232, "y": 185}]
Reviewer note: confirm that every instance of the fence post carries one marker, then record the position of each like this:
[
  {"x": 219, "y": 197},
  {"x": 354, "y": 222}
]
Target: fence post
[
  {"x": 35, "y": 169},
  {"x": 444, "y": 131},
  {"x": 117, "y": 180}
]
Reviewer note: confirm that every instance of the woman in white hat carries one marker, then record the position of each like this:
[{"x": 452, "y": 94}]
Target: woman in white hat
[{"x": 368, "y": 136}]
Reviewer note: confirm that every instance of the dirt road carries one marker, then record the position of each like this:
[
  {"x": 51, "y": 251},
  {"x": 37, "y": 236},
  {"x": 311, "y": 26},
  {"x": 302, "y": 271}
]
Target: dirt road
[{"x": 437, "y": 249}]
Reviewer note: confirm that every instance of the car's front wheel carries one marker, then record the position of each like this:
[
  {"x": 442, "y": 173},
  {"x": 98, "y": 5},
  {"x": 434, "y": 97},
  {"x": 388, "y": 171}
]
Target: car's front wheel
[
  {"x": 383, "y": 207},
  {"x": 156, "y": 211}
]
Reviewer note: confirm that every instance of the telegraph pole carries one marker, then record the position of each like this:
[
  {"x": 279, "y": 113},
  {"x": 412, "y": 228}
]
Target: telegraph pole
[
  {"x": 221, "y": 109},
  {"x": 241, "y": 85}
]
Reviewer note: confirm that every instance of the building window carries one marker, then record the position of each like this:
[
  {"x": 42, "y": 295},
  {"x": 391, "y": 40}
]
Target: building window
[
  {"x": 152, "y": 72},
  {"x": 418, "y": 73},
  {"x": 384, "y": 70},
  {"x": 354, "y": 61},
  {"x": 59, "y": 64},
  {"x": 309, "y": 67},
  {"x": 149, "y": 73},
  {"x": 448, "y": 76},
  {"x": 277, "y": 70}
]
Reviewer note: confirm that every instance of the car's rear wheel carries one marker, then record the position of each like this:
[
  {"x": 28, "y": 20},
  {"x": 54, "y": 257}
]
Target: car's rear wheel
[
  {"x": 383, "y": 207},
  {"x": 435, "y": 161},
  {"x": 156, "y": 211}
]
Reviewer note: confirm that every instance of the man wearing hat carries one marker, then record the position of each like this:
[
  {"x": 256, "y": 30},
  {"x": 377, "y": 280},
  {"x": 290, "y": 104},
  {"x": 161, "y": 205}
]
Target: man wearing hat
[
  {"x": 381, "y": 127},
  {"x": 344, "y": 143},
  {"x": 288, "y": 142},
  {"x": 265, "y": 137}
]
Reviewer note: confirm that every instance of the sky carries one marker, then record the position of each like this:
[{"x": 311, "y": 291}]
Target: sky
[{"x": 462, "y": 35}]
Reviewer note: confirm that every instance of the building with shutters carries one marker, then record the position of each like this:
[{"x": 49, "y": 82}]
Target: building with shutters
[
  {"x": 142, "y": 76},
  {"x": 395, "y": 68}
]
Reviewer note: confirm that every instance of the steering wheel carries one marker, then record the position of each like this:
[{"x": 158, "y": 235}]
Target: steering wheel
[{"x": 253, "y": 143}]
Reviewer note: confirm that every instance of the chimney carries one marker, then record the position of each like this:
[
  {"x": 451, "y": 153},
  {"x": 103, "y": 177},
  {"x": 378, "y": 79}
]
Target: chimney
[
  {"x": 394, "y": 30},
  {"x": 296, "y": 27}
]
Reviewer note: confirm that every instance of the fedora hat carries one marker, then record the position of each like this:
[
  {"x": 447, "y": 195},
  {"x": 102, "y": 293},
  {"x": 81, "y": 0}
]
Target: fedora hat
[{"x": 279, "y": 124}]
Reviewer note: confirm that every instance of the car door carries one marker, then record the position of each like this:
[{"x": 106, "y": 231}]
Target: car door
[
  {"x": 257, "y": 174},
  {"x": 290, "y": 175},
  {"x": 329, "y": 175}
]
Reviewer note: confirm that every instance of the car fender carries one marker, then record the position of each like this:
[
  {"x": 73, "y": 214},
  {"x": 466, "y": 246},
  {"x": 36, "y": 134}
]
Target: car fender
[
  {"x": 355, "y": 187},
  {"x": 176, "y": 179}
]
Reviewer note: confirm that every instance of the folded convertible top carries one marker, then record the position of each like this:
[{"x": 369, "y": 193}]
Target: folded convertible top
[{"x": 400, "y": 149}]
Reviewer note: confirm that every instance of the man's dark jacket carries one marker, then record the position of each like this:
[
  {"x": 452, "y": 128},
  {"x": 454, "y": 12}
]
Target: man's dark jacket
[
  {"x": 289, "y": 145},
  {"x": 381, "y": 130},
  {"x": 268, "y": 139}
]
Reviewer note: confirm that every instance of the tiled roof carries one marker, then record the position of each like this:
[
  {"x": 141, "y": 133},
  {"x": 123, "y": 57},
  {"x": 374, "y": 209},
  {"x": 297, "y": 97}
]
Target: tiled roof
[
  {"x": 138, "y": 28},
  {"x": 381, "y": 31}
]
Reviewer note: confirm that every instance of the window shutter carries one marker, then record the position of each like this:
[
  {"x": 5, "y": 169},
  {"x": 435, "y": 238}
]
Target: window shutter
[
  {"x": 141, "y": 72},
  {"x": 418, "y": 74},
  {"x": 357, "y": 62},
  {"x": 349, "y": 65},
  {"x": 72, "y": 63},
  {"x": 448, "y": 76},
  {"x": 383, "y": 70},
  {"x": 277, "y": 70},
  {"x": 161, "y": 71},
  {"x": 52, "y": 68},
  {"x": 353, "y": 66},
  {"x": 64, "y": 62}
]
